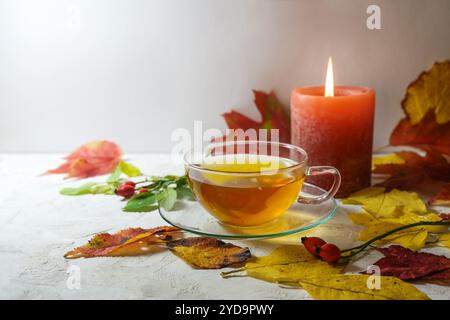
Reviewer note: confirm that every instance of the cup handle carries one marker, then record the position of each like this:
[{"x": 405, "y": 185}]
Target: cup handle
[{"x": 320, "y": 170}]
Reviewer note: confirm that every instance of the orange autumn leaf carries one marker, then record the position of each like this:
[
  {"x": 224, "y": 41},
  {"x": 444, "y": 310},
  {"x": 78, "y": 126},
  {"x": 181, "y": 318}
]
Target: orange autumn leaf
[
  {"x": 442, "y": 198},
  {"x": 427, "y": 133},
  {"x": 89, "y": 160},
  {"x": 272, "y": 114},
  {"x": 403, "y": 181},
  {"x": 427, "y": 109},
  {"x": 127, "y": 242},
  {"x": 433, "y": 164},
  {"x": 209, "y": 253},
  {"x": 414, "y": 169}
]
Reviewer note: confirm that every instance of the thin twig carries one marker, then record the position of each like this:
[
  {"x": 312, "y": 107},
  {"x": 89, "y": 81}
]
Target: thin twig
[{"x": 355, "y": 250}]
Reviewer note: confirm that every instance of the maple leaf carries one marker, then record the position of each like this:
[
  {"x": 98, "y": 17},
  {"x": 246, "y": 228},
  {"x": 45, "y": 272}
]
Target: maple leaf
[
  {"x": 386, "y": 159},
  {"x": 385, "y": 211},
  {"x": 386, "y": 204},
  {"x": 426, "y": 126},
  {"x": 89, "y": 160},
  {"x": 433, "y": 164},
  {"x": 413, "y": 238},
  {"x": 127, "y": 242},
  {"x": 405, "y": 264},
  {"x": 430, "y": 92},
  {"x": 427, "y": 107},
  {"x": 427, "y": 134},
  {"x": 442, "y": 198},
  {"x": 208, "y": 253},
  {"x": 408, "y": 169},
  {"x": 272, "y": 113},
  {"x": 404, "y": 180}
]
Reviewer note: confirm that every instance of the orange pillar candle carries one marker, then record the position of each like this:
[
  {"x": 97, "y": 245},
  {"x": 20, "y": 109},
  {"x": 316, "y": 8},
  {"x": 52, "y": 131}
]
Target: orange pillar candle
[{"x": 335, "y": 127}]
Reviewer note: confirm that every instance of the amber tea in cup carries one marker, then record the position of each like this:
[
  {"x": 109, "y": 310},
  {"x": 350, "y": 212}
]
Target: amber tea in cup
[{"x": 249, "y": 183}]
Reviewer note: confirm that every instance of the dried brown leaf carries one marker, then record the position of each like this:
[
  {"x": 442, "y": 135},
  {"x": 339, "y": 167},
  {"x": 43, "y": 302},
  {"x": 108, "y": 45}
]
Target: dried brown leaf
[{"x": 208, "y": 253}]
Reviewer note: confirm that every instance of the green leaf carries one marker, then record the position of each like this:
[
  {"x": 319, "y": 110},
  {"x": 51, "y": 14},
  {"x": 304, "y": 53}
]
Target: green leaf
[
  {"x": 129, "y": 169},
  {"x": 88, "y": 188},
  {"x": 81, "y": 190},
  {"x": 103, "y": 189},
  {"x": 125, "y": 168},
  {"x": 144, "y": 204},
  {"x": 168, "y": 198},
  {"x": 115, "y": 176},
  {"x": 184, "y": 192}
]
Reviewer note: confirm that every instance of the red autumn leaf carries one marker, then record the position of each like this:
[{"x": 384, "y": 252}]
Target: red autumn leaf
[
  {"x": 442, "y": 198},
  {"x": 432, "y": 163},
  {"x": 89, "y": 160},
  {"x": 441, "y": 278},
  {"x": 416, "y": 168},
  {"x": 426, "y": 126},
  {"x": 406, "y": 264},
  {"x": 127, "y": 242},
  {"x": 406, "y": 180},
  {"x": 272, "y": 113},
  {"x": 426, "y": 133}
]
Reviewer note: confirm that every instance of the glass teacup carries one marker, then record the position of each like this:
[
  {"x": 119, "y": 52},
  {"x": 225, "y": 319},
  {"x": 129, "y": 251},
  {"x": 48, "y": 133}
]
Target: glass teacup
[{"x": 249, "y": 183}]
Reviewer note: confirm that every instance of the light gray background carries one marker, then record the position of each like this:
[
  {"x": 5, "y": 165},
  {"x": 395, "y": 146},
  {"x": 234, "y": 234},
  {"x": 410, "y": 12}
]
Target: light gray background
[{"x": 132, "y": 71}]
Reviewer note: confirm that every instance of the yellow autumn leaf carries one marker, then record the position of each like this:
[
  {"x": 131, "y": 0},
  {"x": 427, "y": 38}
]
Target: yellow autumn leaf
[
  {"x": 286, "y": 264},
  {"x": 445, "y": 240},
  {"x": 360, "y": 196},
  {"x": 367, "y": 220},
  {"x": 281, "y": 255},
  {"x": 410, "y": 217},
  {"x": 387, "y": 204},
  {"x": 293, "y": 272},
  {"x": 362, "y": 218},
  {"x": 355, "y": 287},
  {"x": 412, "y": 238},
  {"x": 391, "y": 158},
  {"x": 376, "y": 229},
  {"x": 430, "y": 91},
  {"x": 293, "y": 265}
]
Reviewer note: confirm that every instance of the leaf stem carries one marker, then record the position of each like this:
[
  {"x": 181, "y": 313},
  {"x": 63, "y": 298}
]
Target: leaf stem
[
  {"x": 226, "y": 274},
  {"x": 355, "y": 250}
]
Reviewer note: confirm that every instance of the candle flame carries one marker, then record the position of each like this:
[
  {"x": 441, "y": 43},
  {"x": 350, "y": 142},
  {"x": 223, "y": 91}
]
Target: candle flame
[{"x": 329, "y": 82}]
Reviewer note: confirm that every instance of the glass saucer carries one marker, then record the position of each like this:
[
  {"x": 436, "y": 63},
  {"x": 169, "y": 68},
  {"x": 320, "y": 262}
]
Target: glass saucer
[{"x": 192, "y": 217}]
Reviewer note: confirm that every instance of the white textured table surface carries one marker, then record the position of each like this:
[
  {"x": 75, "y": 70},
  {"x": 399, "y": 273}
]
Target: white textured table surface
[{"x": 37, "y": 226}]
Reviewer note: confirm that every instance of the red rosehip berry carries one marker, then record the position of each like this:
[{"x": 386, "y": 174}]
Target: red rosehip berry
[
  {"x": 329, "y": 252},
  {"x": 125, "y": 190},
  {"x": 143, "y": 190},
  {"x": 312, "y": 243},
  {"x": 130, "y": 183}
]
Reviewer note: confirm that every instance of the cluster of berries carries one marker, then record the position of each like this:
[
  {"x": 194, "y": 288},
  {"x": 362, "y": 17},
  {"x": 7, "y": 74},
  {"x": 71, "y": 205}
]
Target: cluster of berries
[
  {"x": 320, "y": 248},
  {"x": 128, "y": 189}
]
